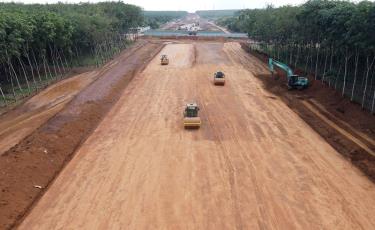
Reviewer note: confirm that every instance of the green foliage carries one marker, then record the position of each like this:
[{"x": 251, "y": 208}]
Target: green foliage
[
  {"x": 64, "y": 26},
  {"x": 332, "y": 40},
  {"x": 41, "y": 41},
  {"x": 215, "y": 14},
  {"x": 156, "y": 18}
]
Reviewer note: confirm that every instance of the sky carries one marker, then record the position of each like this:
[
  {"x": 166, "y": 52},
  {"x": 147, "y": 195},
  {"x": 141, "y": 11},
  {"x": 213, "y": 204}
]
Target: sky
[{"x": 187, "y": 5}]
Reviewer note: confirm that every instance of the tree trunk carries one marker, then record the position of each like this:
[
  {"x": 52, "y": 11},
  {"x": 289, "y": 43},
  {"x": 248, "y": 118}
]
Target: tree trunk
[
  {"x": 32, "y": 69},
  {"x": 77, "y": 55},
  {"x": 347, "y": 58},
  {"x": 61, "y": 61},
  {"x": 331, "y": 59},
  {"x": 102, "y": 54},
  {"x": 2, "y": 94},
  {"x": 30, "y": 63},
  {"x": 373, "y": 103},
  {"x": 56, "y": 59},
  {"x": 66, "y": 63},
  {"x": 325, "y": 66},
  {"x": 311, "y": 60},
  {"x": 46, "y": 67},
  {"x": 37, "y": 66},
  {"x": 53, "y": 61},
  {"x": 11, "y": 82},
  {"x": 316, "y": 62},
  {"x": 24, "y": 74},
  {"x": 369, "y": 66},
  {"x": 355, "y": 74},
  {"x": 278, "y": 53},
  {"x": 15, "y": 75},
  {"x": 307, "y": 58},
  {"x": 298, "y": 50},
  {"x": 291, "y": 54},
  {"x": 338, "y": 76},
  {"x": 345, "y": 72}
]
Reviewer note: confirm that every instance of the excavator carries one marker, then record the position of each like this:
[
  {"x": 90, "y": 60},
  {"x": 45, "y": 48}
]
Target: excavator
[
  {"x": 191, "y": 118},
  {"x": 164, "y": 59},
  {"x": 294, "y": 81}
]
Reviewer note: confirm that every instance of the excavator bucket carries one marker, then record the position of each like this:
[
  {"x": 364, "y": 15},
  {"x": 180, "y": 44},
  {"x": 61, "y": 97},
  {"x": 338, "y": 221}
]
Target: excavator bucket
[{"x": 192, "y": 122}]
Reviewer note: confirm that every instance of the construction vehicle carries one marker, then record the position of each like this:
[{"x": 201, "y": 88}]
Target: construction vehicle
[
  {"x": 164, "y": 59},
  {"x": 219, "y": 78},
  {"x": 191, "y": 118},
  {"x": 294, "y": 81},
  {"x": 193, "y": 30}
]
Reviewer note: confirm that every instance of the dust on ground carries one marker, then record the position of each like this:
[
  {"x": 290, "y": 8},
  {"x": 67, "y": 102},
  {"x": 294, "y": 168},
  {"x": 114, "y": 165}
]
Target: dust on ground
[
  {"x": 254, "y": 163},
  {"x": 28, "y": 168},
  {"x": 342, "y": 123}
]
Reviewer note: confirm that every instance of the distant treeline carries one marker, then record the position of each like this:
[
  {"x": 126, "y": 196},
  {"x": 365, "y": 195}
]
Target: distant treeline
[
  {"x": 215, "y": 14},
  {"x": 157, "y": 18},
  {"x": 332, "y": 40},
  {"x": 39, "y": 43}
]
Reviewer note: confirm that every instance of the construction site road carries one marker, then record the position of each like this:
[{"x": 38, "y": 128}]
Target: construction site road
[{"x": 253, "y": 164}]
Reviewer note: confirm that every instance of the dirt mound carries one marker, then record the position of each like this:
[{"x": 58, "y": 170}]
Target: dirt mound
[
  {"x": 348, "y": 128},
  {"x": 28, "y": 168}
]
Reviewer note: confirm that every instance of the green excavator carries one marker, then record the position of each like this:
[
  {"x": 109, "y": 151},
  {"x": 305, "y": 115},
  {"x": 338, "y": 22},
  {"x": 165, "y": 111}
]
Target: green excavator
[{"x": 294, "y": 81}]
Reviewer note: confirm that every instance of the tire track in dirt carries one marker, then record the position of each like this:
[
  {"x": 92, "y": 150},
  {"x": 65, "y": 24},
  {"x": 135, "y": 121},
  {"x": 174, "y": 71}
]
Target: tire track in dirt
[
  {"x": 253, "y": 164},
  {"x": 38, "y": 158}
]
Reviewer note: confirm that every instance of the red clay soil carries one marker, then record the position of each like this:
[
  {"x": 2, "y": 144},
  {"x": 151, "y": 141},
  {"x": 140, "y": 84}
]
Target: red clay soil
[
  {"x": 345, "y": 126},
  {"x": 189, "y": 38},
  {"x": 28, "y": 168}
]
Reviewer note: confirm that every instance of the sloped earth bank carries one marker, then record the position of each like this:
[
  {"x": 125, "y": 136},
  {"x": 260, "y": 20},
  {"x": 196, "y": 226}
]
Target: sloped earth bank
[
  {"x": 343, "y": 124},
  {"x": 39, "y": 157},
  {"x": 16, "y": 124},
  {"x": 253, "y": 164}
]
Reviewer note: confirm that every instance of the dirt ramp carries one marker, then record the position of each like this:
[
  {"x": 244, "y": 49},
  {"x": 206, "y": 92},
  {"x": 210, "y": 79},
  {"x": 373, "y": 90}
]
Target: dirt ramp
[
  {"x": 20, "y": 122},
  {"x": 343, "y": 124},
  {"x": 180, "y": 55},
  {"x": 253, "y": 164},
  {"x": 28, "y": 168},
  {"x": 211, "y": 53}
]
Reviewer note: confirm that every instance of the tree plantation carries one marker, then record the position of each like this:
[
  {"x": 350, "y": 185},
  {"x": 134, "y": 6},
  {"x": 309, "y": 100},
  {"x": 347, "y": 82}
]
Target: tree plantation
[
  {"x": 155, "y": 19},
  {"x": 39, "y": 43},
  {"x": 334, "y": 41}
]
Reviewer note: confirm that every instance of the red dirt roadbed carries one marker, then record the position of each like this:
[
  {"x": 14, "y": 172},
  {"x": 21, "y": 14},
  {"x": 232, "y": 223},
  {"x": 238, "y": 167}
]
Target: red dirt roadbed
[
  {"x": 253, "y": 164},
  {"x": 38, "y": 158}
]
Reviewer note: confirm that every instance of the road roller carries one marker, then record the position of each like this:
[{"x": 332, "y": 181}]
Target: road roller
[
  {"x": 164, "y": 59},
  {"x": 219, "y": 78},
  {"x": 191, "y": 118}
]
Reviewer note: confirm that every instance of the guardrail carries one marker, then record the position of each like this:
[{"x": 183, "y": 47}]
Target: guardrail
[{"x": 183, "y": 33}]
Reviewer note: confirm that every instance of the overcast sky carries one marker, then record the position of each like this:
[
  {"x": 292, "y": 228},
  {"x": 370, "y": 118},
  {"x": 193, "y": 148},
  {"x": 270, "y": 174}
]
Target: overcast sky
[{"x": 189, "y": 5}]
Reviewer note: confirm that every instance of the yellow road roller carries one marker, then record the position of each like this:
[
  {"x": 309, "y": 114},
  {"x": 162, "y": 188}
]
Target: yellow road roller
[
  {"x": 191, "y": 118},
  {"x": 219, "y": 78},
  {"x": 164, "y": 59}
]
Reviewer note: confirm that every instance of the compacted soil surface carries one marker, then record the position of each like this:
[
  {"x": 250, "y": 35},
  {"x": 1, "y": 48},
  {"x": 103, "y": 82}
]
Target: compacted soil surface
[
  {"x": 342, "y": 123},
  {"x": 254, "y": 163},
  {"x": 41, "y": 135}
]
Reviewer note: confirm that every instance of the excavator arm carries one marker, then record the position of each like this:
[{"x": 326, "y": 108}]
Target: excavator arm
[
  {"x": 282, "y": 66},
  {"x": 294, "y": 81}
]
